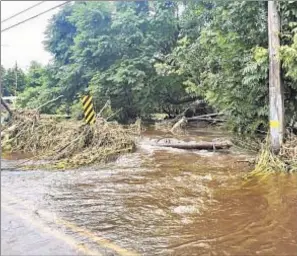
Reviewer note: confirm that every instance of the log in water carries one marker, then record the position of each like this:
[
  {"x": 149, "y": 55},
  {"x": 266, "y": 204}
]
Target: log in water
[{"x": 203, "y": 145}]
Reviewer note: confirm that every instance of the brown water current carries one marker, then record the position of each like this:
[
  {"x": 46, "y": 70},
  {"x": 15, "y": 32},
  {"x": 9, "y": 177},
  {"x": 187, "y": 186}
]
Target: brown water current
[{"x": 161, "y": 201}]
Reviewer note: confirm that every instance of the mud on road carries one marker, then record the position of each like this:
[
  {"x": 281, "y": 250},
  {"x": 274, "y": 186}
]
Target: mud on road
[{"x": 153, "y": 202}]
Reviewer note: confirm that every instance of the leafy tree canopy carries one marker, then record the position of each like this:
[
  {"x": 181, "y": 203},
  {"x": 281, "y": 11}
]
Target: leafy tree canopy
[{"x": 159, "y": 56}]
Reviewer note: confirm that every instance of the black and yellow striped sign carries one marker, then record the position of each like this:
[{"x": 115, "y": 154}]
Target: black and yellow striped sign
[{"x": 89, "y": 112}]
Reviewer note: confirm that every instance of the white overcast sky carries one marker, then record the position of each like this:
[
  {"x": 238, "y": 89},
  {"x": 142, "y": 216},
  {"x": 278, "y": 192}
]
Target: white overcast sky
[{"x": 23, "y": 43}]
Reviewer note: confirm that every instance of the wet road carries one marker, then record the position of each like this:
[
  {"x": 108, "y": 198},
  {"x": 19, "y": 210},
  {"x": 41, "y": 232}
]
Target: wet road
[
  {"x": 23, "y": 234},
  {"x": 153, "y": 202}
]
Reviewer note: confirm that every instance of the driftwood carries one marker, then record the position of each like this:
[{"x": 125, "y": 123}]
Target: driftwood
[
  {"x": 106, "y": 105},
  {"x": 181, "y": 123},
  {"x": 48, "y": 102},
  {"x": 206, "y": 117},
  {"x": 183, "y": 114},
  {"x": 179, "y": 126},
  {"x": 249, "y": 161},
  {"x": 211, "y": 120},
  {"x": 203, "y": 145},
  {"x": 50, "y": 116}
]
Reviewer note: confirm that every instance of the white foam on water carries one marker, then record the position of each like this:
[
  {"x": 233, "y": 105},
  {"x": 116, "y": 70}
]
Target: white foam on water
[{"x": 185, "y": 209}]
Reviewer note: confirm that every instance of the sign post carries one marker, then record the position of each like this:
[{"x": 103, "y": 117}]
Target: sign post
[{"x": 89, "y": 112}]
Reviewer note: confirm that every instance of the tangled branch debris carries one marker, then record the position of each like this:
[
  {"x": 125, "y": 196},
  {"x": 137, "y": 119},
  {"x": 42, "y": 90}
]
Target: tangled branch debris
[
  {"x": 68, "y": 143},
  {"x": 177, "y": 125},
  {"x": 286, "y": 161}
]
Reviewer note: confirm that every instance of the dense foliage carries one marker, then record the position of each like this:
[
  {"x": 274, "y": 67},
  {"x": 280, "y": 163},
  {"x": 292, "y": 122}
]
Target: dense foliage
[
  {"x": 159, "y": 56},
  {"x": 13, "y": 80}
]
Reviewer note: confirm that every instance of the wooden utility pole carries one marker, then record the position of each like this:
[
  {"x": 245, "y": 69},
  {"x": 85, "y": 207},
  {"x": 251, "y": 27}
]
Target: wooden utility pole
[
  {"x": 16, "y": 78},
  {"x": 276, "y": 94}
]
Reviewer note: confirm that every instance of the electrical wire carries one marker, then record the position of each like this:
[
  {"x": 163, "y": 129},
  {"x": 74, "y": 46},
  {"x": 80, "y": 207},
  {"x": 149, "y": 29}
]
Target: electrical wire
[
  {"x": 29, "y": 8},
  {"x": 33, "y": 17}
]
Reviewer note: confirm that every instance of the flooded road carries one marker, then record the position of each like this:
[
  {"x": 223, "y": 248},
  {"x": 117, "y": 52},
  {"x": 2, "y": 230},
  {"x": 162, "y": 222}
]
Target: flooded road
[{"x": 153, "y": 202}]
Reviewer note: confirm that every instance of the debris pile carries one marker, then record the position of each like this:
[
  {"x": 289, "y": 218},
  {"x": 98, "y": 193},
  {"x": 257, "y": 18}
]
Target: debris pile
[
  {"x": 285, "y": 161},
  {"x": 67, "y": 143}
]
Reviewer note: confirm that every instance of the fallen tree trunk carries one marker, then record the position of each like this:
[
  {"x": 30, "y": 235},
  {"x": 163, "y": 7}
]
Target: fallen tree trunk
[
  {"x": 48, "y": 102},
  {"x": 203, "y": 145},
  {"x": 212, "y": 120},
  {"x": 179, "y": 126},
  {"x": 206, "y": 117},
  {"x": 50, "y": 116}
]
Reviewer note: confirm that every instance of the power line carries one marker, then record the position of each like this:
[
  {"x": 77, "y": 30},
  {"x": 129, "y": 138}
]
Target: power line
[
  {"x": 29, "y": 8},
  {"x": 33, "y": 17}
]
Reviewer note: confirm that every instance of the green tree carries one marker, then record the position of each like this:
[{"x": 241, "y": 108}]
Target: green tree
[
  {"x": 114, "y": 54},
  {"x": 35, "y": 75},
  {"x": 13, "y": 80},
  {"x": 41, "y": 87},
  {"x": 148, "y": 56},
  {"x": 3, "y": 73}
]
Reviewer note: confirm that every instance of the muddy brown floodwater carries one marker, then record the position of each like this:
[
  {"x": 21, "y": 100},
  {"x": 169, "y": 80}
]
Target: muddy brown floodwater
[{"x": 169, "y": 202}]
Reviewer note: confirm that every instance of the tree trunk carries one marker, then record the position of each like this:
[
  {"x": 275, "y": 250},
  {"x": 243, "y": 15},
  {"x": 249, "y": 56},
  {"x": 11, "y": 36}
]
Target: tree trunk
[
  {"x": 199, "y": 145},
  {"x": 276, "y": 95}
]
